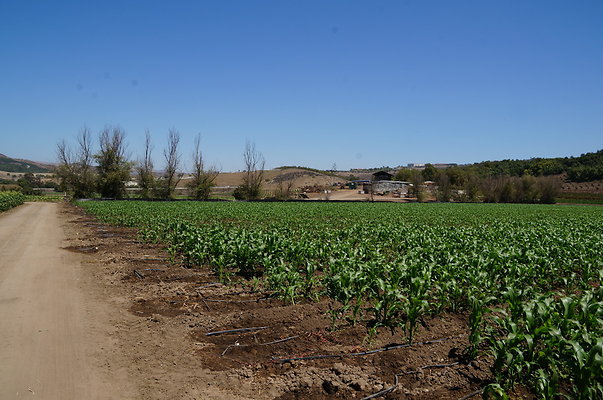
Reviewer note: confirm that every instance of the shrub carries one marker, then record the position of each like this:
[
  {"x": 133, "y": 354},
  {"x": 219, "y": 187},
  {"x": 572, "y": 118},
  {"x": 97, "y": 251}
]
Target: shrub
[{"x": 10, "y": 199}]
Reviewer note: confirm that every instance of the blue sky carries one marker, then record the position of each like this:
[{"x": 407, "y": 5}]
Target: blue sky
[{"x": 355, "y": 83}]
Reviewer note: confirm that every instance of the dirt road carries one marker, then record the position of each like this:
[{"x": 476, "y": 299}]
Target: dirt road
[{"x": 54, "y": 342}]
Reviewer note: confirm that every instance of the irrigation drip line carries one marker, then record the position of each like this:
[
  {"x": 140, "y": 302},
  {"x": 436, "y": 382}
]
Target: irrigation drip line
[
  {"x": 284, "y": 360},
  {"x": 210, "y": 285},
  {"x": 237, "y": 301},
  {"x": 138, "y": 275},
  {"x": 205, "y": 303},
  {"x": 440, "y": 365},
  {"x": 255, "y": 328},
  {"x": 384, "y": 391},
  {"x": 279, "y": 340},
  {"x": 259, "y": 344},
  {"x": 365, "y": 353},
  {"x": 432, "y": 366},
  {"x": 396, "y": 376}
]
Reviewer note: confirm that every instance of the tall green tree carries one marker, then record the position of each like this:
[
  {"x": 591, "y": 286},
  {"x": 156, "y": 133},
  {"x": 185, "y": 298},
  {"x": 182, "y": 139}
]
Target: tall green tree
[
  {"x": 472, "y": 188},
  {"x": 417, "y": 181},
  {"x": 28, "y": 182},
  {"x": 430, "y": 173},
  {"x": 403, "y": 174},
  {"x": 444, "y": 192},
  {"x": 113, "y": 165}
]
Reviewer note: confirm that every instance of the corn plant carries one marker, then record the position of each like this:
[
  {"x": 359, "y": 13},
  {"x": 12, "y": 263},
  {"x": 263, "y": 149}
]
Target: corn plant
[{"x": 478, "y": 306}]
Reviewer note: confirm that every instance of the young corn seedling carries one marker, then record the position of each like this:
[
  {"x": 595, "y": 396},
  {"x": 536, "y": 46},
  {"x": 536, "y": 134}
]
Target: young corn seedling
[
  {"x": 478, "y": 306},
  {"x": 417, "y": 305}
]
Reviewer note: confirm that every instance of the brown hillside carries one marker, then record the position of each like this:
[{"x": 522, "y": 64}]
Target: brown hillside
[{"x": 300, "y": 178}]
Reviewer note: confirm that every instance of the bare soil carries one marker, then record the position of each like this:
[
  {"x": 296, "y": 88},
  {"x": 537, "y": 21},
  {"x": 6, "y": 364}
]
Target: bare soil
[
  {"x": 582, "y": 187},
  {"x": 164, "y": 313}
]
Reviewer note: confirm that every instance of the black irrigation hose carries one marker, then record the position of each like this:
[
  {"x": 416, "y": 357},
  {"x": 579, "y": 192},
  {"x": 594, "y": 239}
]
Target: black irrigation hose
[
  {"x": 365, "y": 353},
  {"x": 395, "y": 385},
  {"x": 238, "y": 301},
  {"x": 432, "y": 366},
  {"x": 255, "y": 328},
  {"x": 258, "y": 344},
  {"x": 279, "y": 340},
  {"x": 440, "y": 365},
  {"x": 310, "y": 358},
  {"x": 384, "y": 391},
  {"x": 206, "y": 305},
  {"x": 210, "y": 285}
]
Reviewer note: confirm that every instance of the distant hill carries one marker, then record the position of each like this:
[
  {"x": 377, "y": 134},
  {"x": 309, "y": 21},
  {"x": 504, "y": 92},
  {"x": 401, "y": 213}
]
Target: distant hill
[
  {"x": 17, "y": 165},
  {"x": 299, "y": 177}
]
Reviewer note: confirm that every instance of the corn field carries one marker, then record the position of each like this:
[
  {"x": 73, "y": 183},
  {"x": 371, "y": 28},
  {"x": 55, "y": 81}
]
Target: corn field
[{"x": 527, "y": 276}]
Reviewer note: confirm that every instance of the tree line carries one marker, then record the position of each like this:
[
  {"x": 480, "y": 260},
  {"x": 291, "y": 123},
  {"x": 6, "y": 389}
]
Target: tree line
[
  {"x": 85, "y": 172},
  {"x": 586, "y": 167},
  {"x": 28, "y": 183},
  {"x": 462, "y": 184},
  {"x": 506, "y": 181}
]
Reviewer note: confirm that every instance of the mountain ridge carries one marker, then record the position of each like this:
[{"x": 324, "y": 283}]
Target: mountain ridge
[{"x": 9, "y": 164}]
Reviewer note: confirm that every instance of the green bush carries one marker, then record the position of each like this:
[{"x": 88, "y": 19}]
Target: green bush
[{"x": 10, "y": 199}]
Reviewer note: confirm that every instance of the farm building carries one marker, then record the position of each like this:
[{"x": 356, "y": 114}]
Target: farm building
[
  {"x": 382, "y": 176},
  {"x": 415, "y": 166},
  {"x": 386, "y": 187}
]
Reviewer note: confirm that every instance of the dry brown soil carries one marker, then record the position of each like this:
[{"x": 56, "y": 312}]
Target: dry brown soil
[
  {"x": 582, "y": 187},
  {"x": 298, "y": 177},
  {"x": 57, "y": 326},
  {"x": 89, "y": 311}
]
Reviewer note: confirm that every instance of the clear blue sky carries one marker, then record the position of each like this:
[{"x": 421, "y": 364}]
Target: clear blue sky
[{"x": 356, "y": 83}]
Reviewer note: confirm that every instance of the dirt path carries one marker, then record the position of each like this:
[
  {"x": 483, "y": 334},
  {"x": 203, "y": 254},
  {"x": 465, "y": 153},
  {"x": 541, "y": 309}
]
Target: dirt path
[{"x": 54, "y": 336}]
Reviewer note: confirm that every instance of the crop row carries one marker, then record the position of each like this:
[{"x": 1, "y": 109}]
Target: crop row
[
  {"x": 551, "y": 341},
  {"x": 10, "y": 199},
  {"x": 391, "y": 265}
]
